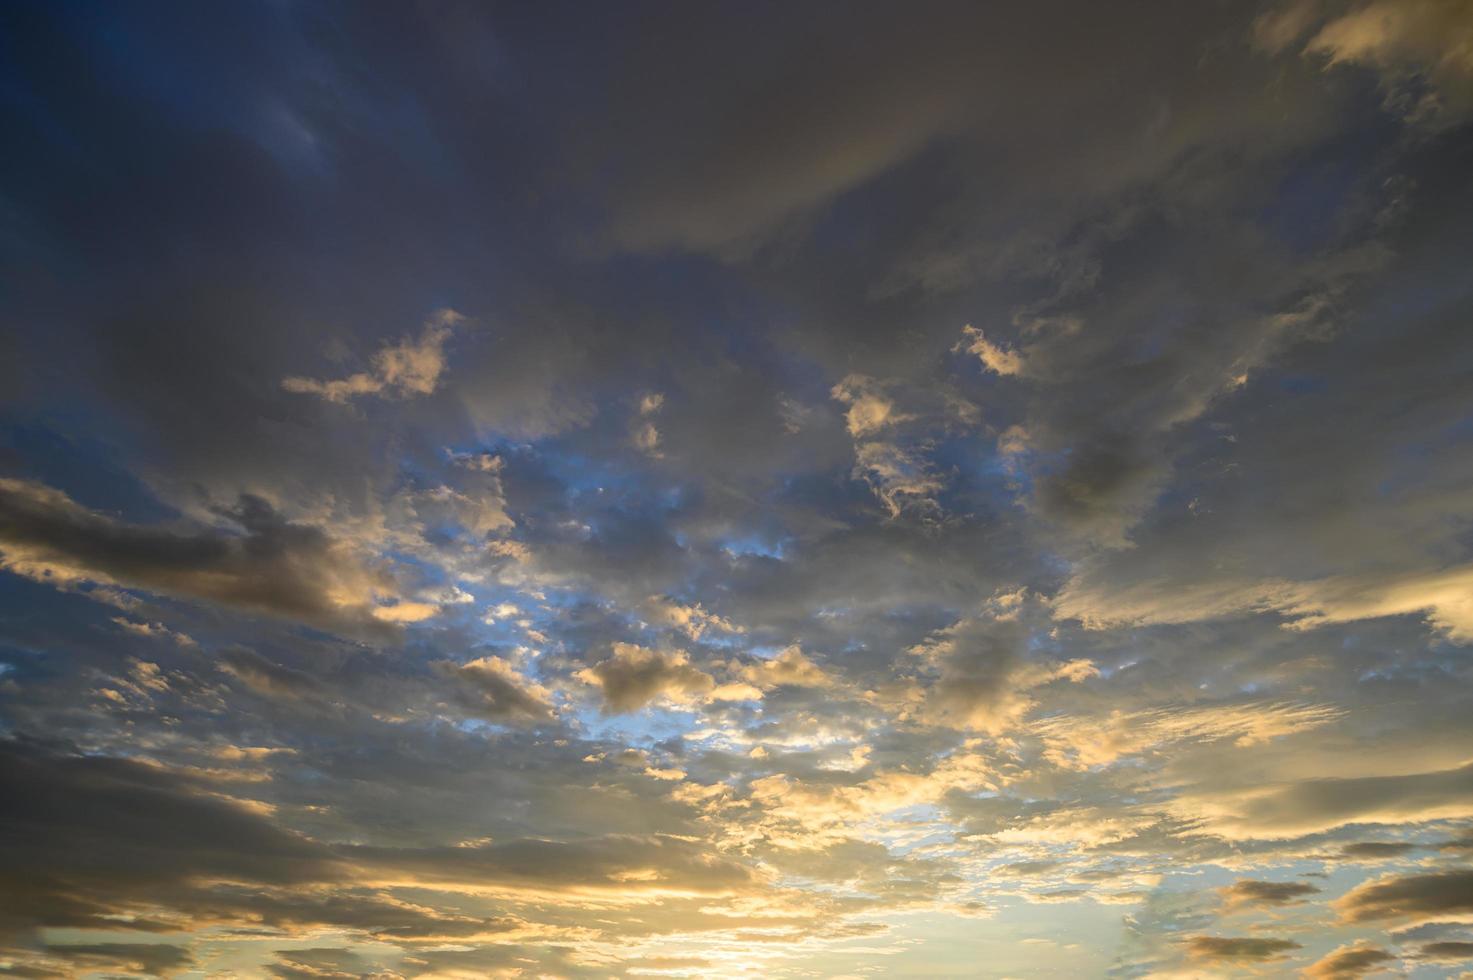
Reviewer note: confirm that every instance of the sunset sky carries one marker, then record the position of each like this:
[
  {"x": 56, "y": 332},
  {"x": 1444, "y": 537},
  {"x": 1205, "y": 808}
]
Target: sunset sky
[{"x": 736, "y": 489}]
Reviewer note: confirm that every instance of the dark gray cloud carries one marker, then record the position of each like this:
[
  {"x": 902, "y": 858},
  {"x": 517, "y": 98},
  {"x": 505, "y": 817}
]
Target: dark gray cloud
[
  {"x": 490, "y": 688},
  {"x": 1350, "y": 961},
  {"x": 1416, "y": 896},
  {"x": 1452, "y": 951},
  {"x": 87, "y": 837},
  {"x": 1239, "y": 947},
  {"x": 1250, "y": 892},
  {"x": 633, "y": 676},
  {"x": 268, "y": 565},
  {"x": 154, "y": 959}
]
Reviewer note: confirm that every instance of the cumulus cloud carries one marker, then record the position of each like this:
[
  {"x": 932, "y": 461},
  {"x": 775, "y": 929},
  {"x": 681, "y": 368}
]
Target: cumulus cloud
[
  {"x": 995, "y": 358},
  {"x": 634, "y": 676},
  {"x": 403, "y": 369},
  {"x": 694, "y": 620},
  {"x": 1417, "y": 897},
  {"x": 1355, "y": 960},
  {"x": 788, "y": 668},
  {"x": 870, "y": 409},
  {"x": 984, "y": 678},
  {"x": 490, "y": 688}
]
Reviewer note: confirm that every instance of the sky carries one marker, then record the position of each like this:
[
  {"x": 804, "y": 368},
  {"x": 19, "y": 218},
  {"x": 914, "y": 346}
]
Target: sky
[{"x": 720, "y": 490}]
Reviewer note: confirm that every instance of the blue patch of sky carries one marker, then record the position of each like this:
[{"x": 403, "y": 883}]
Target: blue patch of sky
[
  {"x": 83, "y": 467},
  {"x": 757, "y": 545}
]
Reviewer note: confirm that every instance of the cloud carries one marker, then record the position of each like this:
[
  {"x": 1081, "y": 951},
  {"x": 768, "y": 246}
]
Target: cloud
[
  {"x": 984, "y": 678},
  {"x": 1316, "y": 805},
  {"x": 998, "y": 360},
  {"x": 1219, "y": 389},
  {"x": 1442, "y": 596},
  {"x": 788, "y": 668},
  {"x": 1445, "y": 597},
  {"x": 643, "y": 432},
  {"x": 1080, "y": 742},
  {"x": 491, "y": 689},
  {"x": 270, "y": 565},
  {"x": 268, "y": 679},
  {"x": 105, "y": 844},
  {"x": 154, "y": 630},
  {"x": 693, "y": 620},
  {"x": 725, "y": 173},
  {"x": 1376, "y": 850},
  {"x": 405, "y": 612},
  {"x": 1101, "y": 488},
  {"x": 620, "y": 865},
  {"x": 154, "y": 959},
  {"x": 870, "y": 409},
  {"x": 1024, "y": 869},
  {"x": 1346, "y": 962},
  {"x": 1253, "y": 948},
  {"x": 88, "y": 836},
  {"x": 1416, "y": 897},
  {"x": 634, "y": 676},
  {"x": 899, "y": 475},
  {"x": 901, "y": 479},
  {"x": 1248, "y": 892},
  {"x": 1452, "y": 950},
  {"x": 322, "y": 963},
  {"x": 357, "y": 892},
  {"x": 403, "y": 369},
  {"x": 1405, "y": 36}
]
